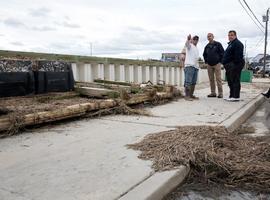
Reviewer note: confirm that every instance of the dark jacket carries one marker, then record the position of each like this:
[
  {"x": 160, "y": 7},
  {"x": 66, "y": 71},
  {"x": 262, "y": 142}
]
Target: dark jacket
[
  {"x": 234, "y": 54},
  {"x": 213, "y": 53}
]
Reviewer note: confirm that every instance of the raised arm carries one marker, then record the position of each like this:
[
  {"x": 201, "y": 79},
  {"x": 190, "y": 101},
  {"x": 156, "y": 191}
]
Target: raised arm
[{"x": 187, "y": 44}]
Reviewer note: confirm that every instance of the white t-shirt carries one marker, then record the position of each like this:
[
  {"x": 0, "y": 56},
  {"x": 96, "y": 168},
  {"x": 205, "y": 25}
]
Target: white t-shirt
[{"x": 192, "y": 55}]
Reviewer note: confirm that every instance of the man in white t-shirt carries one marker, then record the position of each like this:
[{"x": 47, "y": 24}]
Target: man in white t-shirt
[{"x": 191, "y": 67}]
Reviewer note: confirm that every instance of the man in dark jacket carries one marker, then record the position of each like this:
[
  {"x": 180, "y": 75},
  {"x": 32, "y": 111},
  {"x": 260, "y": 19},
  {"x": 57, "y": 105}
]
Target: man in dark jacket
[
  {"x": 213, "y": 53},
  {"x": 233, "y": 61}
]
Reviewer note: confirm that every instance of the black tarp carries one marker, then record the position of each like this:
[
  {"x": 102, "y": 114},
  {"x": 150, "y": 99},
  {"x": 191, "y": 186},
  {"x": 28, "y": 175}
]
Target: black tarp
[
  {"x": 22, "y": 77},
  {"x": 53, "y": 82},
  {"x": 16, "y": 83}
]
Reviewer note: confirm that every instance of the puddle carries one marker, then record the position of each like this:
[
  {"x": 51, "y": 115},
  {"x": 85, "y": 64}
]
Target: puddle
[{"x": 199, "y": 192}]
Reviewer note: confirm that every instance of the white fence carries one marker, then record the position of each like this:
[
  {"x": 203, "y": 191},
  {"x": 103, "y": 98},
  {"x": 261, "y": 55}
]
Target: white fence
[
  {"x": 173, "y": 75},
  {"x": 87, "y": 68}
]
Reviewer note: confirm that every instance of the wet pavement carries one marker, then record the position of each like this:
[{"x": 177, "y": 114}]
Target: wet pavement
[{"x": 198, "y": 192}]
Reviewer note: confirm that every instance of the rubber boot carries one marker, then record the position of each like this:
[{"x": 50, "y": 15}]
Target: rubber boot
[
  {"x": 187, "y": 94},
  {"x": 192, "y": 88}
]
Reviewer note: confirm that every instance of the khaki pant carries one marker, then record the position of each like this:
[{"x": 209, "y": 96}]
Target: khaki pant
[{"x": 215, "y": 71}]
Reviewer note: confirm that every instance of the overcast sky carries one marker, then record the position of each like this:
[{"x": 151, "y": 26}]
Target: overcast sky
[{"x": 124, "y": 28}]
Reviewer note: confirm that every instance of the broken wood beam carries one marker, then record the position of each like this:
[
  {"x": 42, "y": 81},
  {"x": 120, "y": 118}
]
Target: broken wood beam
[
  {"x": 137, "y": 99},
  {"x": 165, "y": 95}
]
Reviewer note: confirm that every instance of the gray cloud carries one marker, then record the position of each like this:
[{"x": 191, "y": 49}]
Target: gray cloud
[
  {"x": 67, "y": 24},
  {"x": 39, "y": 12},
  {"x": 17, "y": 43},
  {"x": 13, "y": 22},
  {"x": 138, "y": 39},
  {"x": 66, "y": 17},
  {"x": 43, "y": 28}
]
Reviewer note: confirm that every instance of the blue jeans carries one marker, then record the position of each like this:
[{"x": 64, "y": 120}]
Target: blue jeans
[{"x": 191, "y": 75}]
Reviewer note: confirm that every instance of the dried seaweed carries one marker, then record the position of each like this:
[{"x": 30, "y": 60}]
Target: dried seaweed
[{"x": 214, "y": 155}]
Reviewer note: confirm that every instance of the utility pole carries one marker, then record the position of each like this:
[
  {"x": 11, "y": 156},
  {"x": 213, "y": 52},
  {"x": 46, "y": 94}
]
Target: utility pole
[
  {"x": 245, "y": 54},
  {"x": 265, "y": 19}
]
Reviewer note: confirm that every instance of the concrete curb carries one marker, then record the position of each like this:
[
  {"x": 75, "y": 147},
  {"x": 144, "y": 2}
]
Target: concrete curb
[
  {"x": 158, "y": 185},
  {"x": 239, "y": 117}
]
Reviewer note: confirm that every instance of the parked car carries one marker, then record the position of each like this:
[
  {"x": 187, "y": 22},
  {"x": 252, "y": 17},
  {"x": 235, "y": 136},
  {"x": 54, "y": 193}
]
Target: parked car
[
  {"x": 267, "y": 69},
  {"x": 256, "y": 69}
]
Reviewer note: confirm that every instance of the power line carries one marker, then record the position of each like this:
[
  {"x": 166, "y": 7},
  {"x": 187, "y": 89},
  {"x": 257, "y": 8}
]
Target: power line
[
  {"x": 250, "y": 16},
  {"x": 253, "y": 14},
  {"x": 258, "y": 44}
]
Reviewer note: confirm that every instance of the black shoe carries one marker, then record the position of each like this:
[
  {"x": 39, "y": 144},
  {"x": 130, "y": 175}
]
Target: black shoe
[
  {"x": 267, "y": 95},
  {"x": 211, "y": 95},
  {"x": 220, "y": 96}
]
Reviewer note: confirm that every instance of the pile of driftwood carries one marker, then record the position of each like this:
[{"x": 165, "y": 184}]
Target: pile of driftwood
[
  {"x": 88, "y": 99},
  {"x": 213, "y": 154}
]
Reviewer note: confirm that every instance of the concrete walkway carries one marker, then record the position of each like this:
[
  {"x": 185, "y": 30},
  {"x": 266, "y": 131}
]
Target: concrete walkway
[
  {"x": 88, "y": 159},
  {"x": 260, "y": 121}
]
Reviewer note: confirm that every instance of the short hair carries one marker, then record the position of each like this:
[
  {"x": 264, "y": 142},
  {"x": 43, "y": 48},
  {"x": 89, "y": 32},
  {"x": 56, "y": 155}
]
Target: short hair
[
  {"x": 195, "y": 37},
  {"x": 233, "y": 31}
]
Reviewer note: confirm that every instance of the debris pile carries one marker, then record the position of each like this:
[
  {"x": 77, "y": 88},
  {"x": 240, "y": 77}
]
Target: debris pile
[
  {"x": 214, "y": 156},
  {"x": 99, "y": 99}
]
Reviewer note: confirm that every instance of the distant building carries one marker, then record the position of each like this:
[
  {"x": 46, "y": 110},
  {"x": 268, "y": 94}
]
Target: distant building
[{"x": 171, "y": 57}]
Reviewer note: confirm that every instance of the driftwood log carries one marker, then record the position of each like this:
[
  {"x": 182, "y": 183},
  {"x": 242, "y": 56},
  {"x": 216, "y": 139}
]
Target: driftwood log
[
  {"x": 97, "y": 92},
  {"x": 70, "y": 111},
  {"x": 140, "y": 98}
]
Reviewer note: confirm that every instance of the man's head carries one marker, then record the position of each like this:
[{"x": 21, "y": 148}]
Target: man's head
[
  {"x": 195, "y": 40},
  {"x": 232, "y": 35},
  {"x": 210, "y": 37}
]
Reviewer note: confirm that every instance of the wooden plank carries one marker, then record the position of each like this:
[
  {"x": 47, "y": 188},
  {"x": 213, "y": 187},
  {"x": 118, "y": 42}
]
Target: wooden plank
[
  {"x": 102, "y": 85},
  {"x": 113, "y": 82},
  {"x": 97, "y": 92}
]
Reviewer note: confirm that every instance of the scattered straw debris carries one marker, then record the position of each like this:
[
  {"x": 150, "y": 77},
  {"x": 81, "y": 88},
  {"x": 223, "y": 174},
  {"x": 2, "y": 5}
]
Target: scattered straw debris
[
  {"x": 214, "y": 156},
  {"x": 122, "y": 108}
]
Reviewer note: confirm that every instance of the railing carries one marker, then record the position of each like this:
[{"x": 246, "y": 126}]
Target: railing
[{"x": 126, "y": 70}]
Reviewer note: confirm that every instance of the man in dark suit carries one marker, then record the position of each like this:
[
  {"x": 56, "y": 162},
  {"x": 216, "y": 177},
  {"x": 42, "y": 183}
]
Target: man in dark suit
[{"x": 233, "y": 61}]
